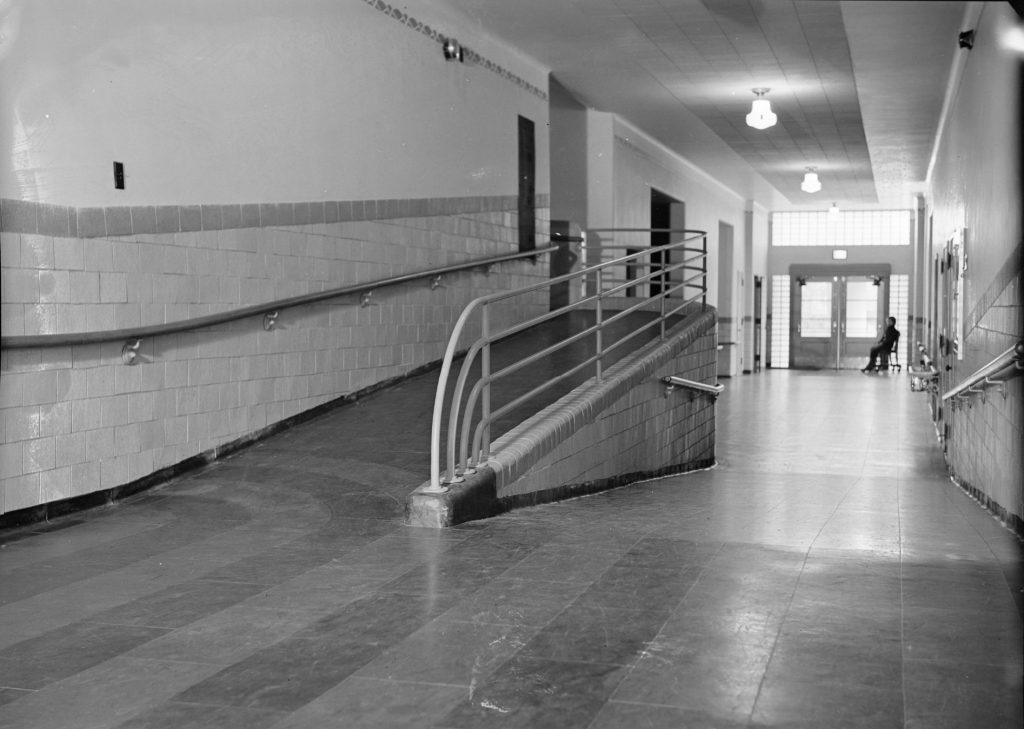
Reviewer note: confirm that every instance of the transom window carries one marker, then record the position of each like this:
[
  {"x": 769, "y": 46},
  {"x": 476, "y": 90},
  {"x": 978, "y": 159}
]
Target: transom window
[{"x": 849, "y": 228}]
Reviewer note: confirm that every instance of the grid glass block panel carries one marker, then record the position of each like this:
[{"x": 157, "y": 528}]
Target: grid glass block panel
[
  {"x": 779, "y": 335},
  {"x": 899, "y": 302},
  {"x": 850, "y": 228}
]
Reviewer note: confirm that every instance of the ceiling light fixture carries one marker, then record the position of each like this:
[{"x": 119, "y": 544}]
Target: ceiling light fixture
[
  {"x": 453, "y": 51},
  {"x": 811, "y": 182},
  {"x": 761, "y": 115}
]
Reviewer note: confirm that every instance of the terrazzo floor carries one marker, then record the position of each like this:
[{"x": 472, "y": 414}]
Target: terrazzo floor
[{"x": 825, "y": 574}]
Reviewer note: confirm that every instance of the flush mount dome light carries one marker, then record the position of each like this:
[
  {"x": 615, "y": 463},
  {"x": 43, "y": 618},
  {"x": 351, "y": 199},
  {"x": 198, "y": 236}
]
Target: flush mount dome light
[
  {"x": 452, "y": 50},
  {"x": 761, "y": 115},
  {"x": 811, "y": 182}
]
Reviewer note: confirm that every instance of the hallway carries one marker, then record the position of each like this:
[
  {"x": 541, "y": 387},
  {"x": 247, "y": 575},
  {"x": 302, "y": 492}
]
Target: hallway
[{"x": 825, "y": 573}]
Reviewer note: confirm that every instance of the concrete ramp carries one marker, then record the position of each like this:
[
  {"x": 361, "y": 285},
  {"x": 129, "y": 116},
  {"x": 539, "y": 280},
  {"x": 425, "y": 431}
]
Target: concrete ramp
[{"x": 600, "y": 435}]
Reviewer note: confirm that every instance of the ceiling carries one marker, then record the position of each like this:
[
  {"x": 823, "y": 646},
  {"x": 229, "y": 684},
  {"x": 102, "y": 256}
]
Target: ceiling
[{"x": 858, "y": 87}]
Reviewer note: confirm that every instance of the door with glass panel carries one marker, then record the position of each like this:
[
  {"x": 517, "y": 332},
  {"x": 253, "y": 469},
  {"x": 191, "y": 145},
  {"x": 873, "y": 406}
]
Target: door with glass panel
[{"x": 835, "y": 319}]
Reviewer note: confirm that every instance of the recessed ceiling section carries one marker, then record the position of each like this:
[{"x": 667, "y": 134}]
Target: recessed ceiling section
[
  {"x": 900, "y": 90},
  {"x": 683, "y": 71},
  {"x": 710, "y": 57}
]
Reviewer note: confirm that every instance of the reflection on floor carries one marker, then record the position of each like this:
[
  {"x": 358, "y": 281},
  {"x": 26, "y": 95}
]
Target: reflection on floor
[{"x": 826, "y": 573}]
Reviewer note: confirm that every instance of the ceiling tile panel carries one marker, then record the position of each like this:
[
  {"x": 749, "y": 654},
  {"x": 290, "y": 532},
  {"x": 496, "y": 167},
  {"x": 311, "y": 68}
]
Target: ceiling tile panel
[{"x": 683, "y": 71}]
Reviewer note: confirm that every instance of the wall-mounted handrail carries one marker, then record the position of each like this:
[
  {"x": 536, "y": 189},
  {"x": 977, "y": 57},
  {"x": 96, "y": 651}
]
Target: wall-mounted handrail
[
  {"x": 983, "y": 377},
  {"x": 674, "y": 382},
  {"x": 269, "y": 309},
  {"x": 671, "y": 297}
]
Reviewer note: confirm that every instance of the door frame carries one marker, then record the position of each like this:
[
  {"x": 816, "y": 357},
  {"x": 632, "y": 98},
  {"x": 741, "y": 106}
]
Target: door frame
[{"x": 819, "y": 270}]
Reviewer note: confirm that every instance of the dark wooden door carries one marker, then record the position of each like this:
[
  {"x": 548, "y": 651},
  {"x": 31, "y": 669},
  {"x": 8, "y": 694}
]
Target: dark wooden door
[{"x": 527, "y": 186}]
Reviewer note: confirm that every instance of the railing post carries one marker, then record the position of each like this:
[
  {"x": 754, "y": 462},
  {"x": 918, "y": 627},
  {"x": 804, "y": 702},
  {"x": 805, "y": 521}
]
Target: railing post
[
  {"x": 598, "y": 332},
  {"x": 704, "y": 278},
  {"x": 663, "y": 300},
  {"x": 485, "y": 375}
]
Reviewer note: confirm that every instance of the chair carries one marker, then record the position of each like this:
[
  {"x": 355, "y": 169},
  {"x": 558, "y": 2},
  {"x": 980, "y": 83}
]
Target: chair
[{"x": 893, "y": 356}]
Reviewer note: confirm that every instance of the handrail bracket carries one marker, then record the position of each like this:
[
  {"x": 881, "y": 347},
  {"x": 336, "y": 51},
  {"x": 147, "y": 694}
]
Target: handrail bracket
[{"x": 130, "y": 351}]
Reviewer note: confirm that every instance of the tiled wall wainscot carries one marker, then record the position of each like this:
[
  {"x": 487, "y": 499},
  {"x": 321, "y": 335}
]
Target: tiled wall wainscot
[
  {"x": 628, "y": 430},
  {"x": 76, "y": 420}
]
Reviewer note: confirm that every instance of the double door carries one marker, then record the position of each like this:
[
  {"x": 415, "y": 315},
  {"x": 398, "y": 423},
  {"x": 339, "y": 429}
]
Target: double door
[{"x": 836, "y": 318}]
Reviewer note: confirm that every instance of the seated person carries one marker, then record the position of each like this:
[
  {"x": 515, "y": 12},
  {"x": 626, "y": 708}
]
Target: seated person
[{"x": 889, "y": 337}]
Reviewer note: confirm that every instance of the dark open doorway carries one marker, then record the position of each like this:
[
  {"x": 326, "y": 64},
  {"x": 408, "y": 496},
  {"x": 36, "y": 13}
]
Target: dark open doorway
[
  {"x": 527, "y": 186},
  {"x": 666, "y": 213}
]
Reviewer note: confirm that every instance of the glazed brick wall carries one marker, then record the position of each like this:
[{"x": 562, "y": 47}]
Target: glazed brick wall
[
  {"x": 76, "y": 420},
  {"x": 625, "y": 426},
  {"x": 985, "y": 452}
]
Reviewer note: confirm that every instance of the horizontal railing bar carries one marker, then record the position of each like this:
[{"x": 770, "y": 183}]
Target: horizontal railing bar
[
  {"x": 515, "y": 367},
  {"x": 640, "y": 329},
  {"x": 153, "y": 330},
  {"x": 548, "y": 316},
  {"x": 508, "y": 407},
  {"x": 541, "y": 354},
  {"x": 623, "y": 313},
  {"x": 685, "y": 303},
  {"x": 482, "y": 386},
  {"x": 673, "y": 380},
  {"x": 547, "y": 283},
  {"x": 697, "y": 233},
  {"x": 642, "y": 251},
  {"x": 660, "y": 275},
  {"x": 1011, "y": 357}
]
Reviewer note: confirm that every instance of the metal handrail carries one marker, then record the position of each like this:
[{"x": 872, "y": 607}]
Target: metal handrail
[
  {"x": 1012, "y": 357},
  {"x": 481, "y": 390},
  {"x": 673, "y": 382},
  {"x": 268, "y": 309}
]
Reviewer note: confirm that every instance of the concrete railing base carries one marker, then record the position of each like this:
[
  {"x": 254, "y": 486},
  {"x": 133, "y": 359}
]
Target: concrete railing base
[{"x": 625, "y": 428}]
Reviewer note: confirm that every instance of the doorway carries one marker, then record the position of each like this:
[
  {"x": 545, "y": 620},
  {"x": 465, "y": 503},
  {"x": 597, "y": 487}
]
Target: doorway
[
  {"x": 836, "y": 317},
  {"x": 730, "y": 317},
  {"x": 667, "y": 213},
  {"x": 758, "y": 305},
  {"x": 527, "y": 186}
]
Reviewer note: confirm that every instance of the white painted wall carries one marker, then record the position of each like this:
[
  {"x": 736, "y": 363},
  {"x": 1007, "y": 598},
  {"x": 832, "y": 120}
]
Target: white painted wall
[
  {"x": 641, "y": 163},
  {"x": 222, "y": 101},
  {"x": 218, "y": 102}
]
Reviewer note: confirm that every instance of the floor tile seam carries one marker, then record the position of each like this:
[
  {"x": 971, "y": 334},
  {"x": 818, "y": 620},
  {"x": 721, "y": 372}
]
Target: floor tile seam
[
  {"x": 661, "y": 630},
  {"x": 647, "y": 703},
  {"x": 789, "y": 603},
  {"x": 559, "y": 581},
  {"x": 903, "y": 601},
  {"x": 126, "y": 656},
  {"x": 586, "y": 605},
  {"x": 225, "y": 581},
  {"x": 407, "y": 681},
  {"x": 550, "y": 659},
  {"x": 956, "y": 662},
  {"x": 146, "y": 626},
  {"x": 493, "y": 623}
]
